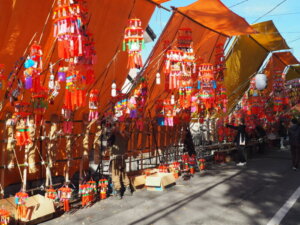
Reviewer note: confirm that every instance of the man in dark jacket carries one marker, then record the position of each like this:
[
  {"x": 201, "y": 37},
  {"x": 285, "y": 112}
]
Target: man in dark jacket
[
  {"x": 188, "y": 143},
  {"x": 294, "y": 139},
  {"x": 241, "y": 141},
  {"x": 261, "y": 135},
  {"x": 118, "y": 143}
]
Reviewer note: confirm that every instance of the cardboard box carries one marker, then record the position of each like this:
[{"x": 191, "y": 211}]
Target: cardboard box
[
  {"x": 139, "y": 181},
  {"x": 159, "y": 181},
  {"x": 38, "y": 207}
]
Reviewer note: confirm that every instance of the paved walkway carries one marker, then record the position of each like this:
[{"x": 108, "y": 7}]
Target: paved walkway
[{"x": 224, "y": 195}]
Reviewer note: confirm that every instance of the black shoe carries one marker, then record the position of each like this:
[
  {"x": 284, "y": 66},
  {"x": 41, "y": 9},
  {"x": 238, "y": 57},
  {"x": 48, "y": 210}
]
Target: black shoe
[
  {"x": 127, "y": 191},
  {"x": 118, "y": 194}
]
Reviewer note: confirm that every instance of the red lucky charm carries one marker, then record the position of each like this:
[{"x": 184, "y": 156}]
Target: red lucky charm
[
  {"x": 93, "y": 189},
  {"x": 103, "y": 186},
  {"x": 36, "y": 55},
  {"x": 169, "y": 111},
  {"x": 134, "y": 43},
  {"x": 219, "y": 61},
  {"x": 51, "y": 194},
  {"x": 84, "y": 191},
  {"x": 207, "y": 84},
  {"x": 184, "y": 38},
  {"x": 221, "y": 97},
  {"x": 68, "y": 21},
  {"x": 4, "y": 217},
  {"x": 20, "y": 201},
  {"x": 93, "y": 105},
  {"x": 173, "y": 68},
  {"x": 21, "y": 116},
  {"x": 64, "y": 195},
  {"x": 39, "y": 107},
  {"x": 184, "y": 43}
]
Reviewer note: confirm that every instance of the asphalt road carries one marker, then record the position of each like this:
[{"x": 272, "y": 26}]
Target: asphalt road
[{"x": 223, "y": 195}]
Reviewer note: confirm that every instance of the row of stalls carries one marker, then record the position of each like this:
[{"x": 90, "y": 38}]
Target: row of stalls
[{"x": 62, "y": 75}]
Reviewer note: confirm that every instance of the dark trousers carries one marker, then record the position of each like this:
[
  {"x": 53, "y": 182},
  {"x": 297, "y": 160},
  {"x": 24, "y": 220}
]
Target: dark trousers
[
  {"x": 295, "y": 150},
  {"x": 242, "y": 154},
  {"x": 261, "y": 147}
]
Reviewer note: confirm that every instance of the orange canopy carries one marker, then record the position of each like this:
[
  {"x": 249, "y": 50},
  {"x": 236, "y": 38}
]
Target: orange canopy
[
  {"x": 216, "y": 16},
  {"x": 210, "y": 22},
  {"x": 21, "y": 19},
  {"x": 277, "y": 63}
]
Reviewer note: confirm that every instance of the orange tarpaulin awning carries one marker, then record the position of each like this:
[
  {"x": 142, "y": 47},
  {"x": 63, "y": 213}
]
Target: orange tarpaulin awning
[
  {"x": 247, "y": 56},
  {"x": 276, "y": 65},
  {"x": 21, "y": 19},
  {"x": 216, "y": 16},
  {"x": 108, "y": 20},
  {"x": 268, "y": 36},
  {"x": 210, "y": 22}
]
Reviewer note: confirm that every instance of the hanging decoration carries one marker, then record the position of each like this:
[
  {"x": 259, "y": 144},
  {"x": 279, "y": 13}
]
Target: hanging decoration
[
  {"x": 103, "y": 187},
  {"x": 51, "y": 194},
  {"x": 20, "y": 200},
  {"x": 53, "y": 85},
  {"x": 207, "y": 84},
  {"x": 4, "y": 217},
  {"x": 21, "y": 117},
  {"x": 134, "y": 43},
  {"x": 40, "y": 106},
  {"x": 292, "y": 88},
  {"x": 77, "y": 53},
  {"x": 173, "y": 68},
  {"x": 220, "y": 64},
  {"x": 64, "y": 195},
  {"x": 33, "y": 67},
  {"x": 94, "y": 105},
  {"x": 157, "y": 80},
  {"x": 93, "y": 189},
  {"x": 84, "y": 192}
]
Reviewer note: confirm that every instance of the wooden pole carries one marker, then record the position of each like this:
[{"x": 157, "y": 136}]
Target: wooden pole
[
  {"x": 52, "y": 145},
  {"x": 84, "y": 146}
]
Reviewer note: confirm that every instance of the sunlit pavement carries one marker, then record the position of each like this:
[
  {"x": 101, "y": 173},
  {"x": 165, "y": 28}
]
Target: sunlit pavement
[{"x": 223, "y": 195}]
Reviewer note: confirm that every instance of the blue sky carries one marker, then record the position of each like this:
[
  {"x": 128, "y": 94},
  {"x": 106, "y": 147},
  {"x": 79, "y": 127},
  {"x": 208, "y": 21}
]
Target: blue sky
[{"x": 286, "y": 17}]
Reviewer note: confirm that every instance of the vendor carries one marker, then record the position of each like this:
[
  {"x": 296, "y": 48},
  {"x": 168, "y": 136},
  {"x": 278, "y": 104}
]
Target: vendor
[
  {"x": 118, "y": 142},
  {"x": 241, "y": 139}
]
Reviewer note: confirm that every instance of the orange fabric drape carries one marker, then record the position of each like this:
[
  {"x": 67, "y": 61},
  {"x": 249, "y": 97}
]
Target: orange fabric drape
[
  {"x": 21, "y": 19},
  {"x": 218, "y": 22}
]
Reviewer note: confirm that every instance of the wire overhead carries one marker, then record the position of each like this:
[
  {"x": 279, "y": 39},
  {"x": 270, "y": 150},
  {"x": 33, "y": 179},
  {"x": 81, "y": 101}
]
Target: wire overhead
[
  {"x": 238, "y": 3},
  {"x": 275, "y": 7}
]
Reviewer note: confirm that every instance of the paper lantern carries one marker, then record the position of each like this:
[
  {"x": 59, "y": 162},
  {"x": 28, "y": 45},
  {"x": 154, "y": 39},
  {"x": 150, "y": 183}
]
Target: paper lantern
[
  {"x": 114, "y": 89},
  {"x": 260, "y": 81},
  {"x": 157, "y": 78}
]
